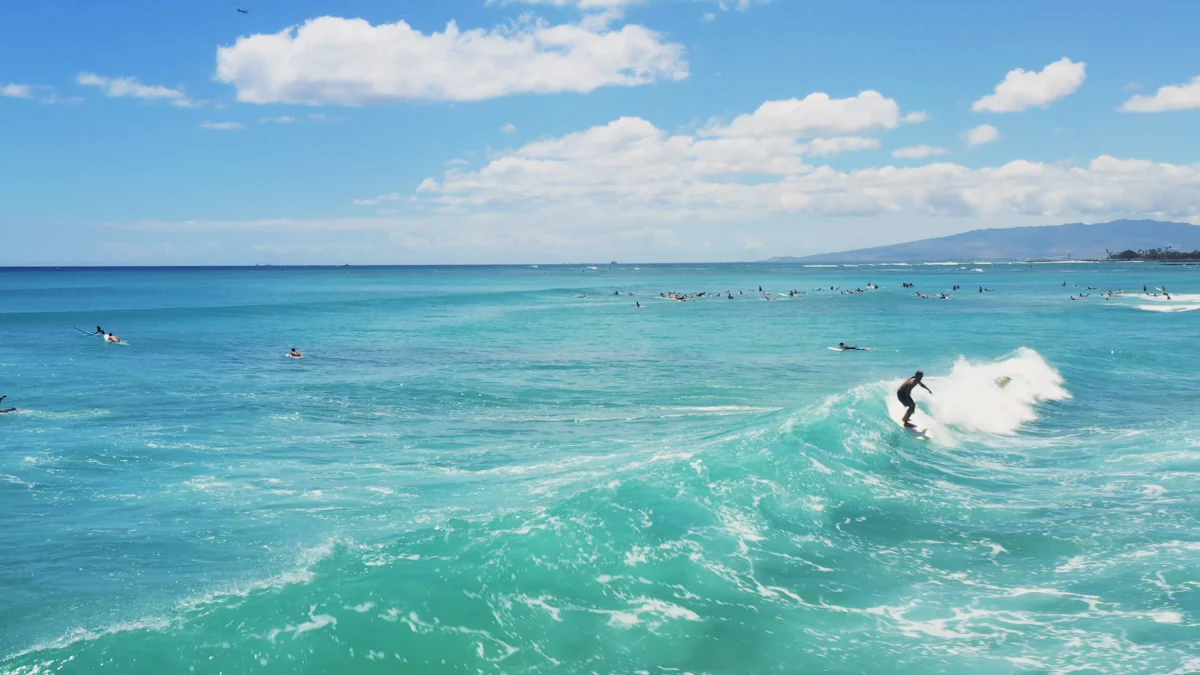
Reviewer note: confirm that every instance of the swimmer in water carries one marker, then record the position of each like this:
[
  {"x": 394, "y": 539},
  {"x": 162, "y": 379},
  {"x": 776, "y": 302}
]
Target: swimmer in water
[
  {"x": 904, "y": 393},
  {"x": 109, "y": 337},
  {"x": 9, "y": 409},
  {"x": 295, "y": 354}
]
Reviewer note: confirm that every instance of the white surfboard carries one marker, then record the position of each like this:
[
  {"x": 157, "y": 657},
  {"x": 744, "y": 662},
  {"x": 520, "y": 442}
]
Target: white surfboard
[{"x": 920, "y": 422}]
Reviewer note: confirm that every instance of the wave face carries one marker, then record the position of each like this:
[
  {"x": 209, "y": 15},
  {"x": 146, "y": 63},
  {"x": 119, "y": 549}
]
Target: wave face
[{"x": 479, "y": 471}]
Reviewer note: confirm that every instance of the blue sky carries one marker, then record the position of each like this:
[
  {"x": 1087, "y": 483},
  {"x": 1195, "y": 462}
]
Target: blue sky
[{"x": 579, "y": 130}]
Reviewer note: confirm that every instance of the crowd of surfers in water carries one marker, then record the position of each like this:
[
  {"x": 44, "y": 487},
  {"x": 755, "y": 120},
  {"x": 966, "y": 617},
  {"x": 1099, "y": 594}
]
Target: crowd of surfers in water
[
  {"x": 1111, "y": 293},
  {"x": 769, "y": 295},
  {"x": 764, "y": 295}
]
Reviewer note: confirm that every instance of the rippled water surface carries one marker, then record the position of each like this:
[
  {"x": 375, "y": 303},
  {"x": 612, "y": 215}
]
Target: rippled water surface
[{"x": 477, "y": 470}]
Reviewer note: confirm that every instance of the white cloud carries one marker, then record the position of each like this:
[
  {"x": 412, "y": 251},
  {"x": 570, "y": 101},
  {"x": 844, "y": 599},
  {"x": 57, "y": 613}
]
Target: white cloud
[
  {"x": 509, "y": 128},
  {"x": 1172, "y": 97},
  {"x": 54, "y": 99},
  {"x": 708, "y": 16},
  {"x": 621, "y": 5},
  {"x": 1023, "y": 89},
  {"x": 833, "y": 146},
  {"x": 332, "y": 60},
  {"x": 918, "y": 152},
  {"x": 981, "y": 135},
  {"x": 13, "y": 90},
  {"x": 44, "y": 94},
  {"x": 631, "y": 172},
  {"x": 916, "y": 117},
  {"x": 581, "y": 4},
  {"x": 390, "y": 197},
  {"x": 119, "y": 87},
  {"x": 223, "y": 126},
  {"x": 815, "y": 115},
  {"x": 284, "y": 119}
]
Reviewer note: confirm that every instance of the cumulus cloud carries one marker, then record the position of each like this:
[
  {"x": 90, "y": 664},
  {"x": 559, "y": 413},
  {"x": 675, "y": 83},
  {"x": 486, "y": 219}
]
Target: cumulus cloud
[
  {"x": 509, "y": 128},
  {"x": 620, "y": 5},
  {"x": 981, "y": 135},
  {"x": 916, "y": 117},
  {"x": 814, "y": 115},
  {"x": 833, "y": 146},
  {"x": 581, "y": 4},
  {"x": 1023, "y": 89},
  {"x": 13, "y": 90},
  {"x": 223, "y": 126},
  {"x": 122, "y": 87},
  {"x": 283, "y": 119},
  {"x": 1172, "y": 97},
  {"x": 918, "y": 152},
  {"x": 630, "y": 171},
  {"x": 338, "y": 61}
]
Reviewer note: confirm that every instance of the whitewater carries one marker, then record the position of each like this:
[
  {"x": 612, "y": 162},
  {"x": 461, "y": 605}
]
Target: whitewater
[{"x": 517, "y": 470}]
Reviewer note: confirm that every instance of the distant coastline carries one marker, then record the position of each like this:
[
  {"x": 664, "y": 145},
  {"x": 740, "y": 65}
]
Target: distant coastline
[
  {"x": 1165, "y": 255},
  {"x": 1070, "y": 242}
]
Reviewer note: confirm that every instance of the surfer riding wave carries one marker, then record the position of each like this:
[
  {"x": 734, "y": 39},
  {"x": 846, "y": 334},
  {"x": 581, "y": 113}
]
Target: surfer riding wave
[{"x": 904, "y": 393}]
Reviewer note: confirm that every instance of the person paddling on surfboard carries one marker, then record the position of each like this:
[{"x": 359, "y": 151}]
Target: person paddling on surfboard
[
  {"x": 109, "y": 337},
  {"x": 845, "y": 347},
  {"x": 8, "y": 410},
  {"x": 295, "y": 354},
  {"x": 99, "y": 331},
  {"x": 904, "y": 393}
]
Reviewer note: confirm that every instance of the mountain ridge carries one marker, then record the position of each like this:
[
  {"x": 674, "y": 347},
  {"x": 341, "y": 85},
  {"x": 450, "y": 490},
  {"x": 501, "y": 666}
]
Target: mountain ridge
[{"x": 1044, "y": 242}]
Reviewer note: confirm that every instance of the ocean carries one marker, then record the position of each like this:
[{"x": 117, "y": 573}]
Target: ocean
[{"x": 476, "y": 470}]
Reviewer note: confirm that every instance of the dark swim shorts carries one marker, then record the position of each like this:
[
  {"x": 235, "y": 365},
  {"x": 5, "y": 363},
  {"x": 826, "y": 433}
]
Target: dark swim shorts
[{"x": 905, "y": 399}]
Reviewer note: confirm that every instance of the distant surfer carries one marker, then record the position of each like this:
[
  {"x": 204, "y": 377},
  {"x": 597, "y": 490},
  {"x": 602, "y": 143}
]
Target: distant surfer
[
  {"x": 99, "y": 331},
  {"x": 9, "y": 409},
  {"x": 846, "y": 348},
  {"x": 109, "y": 337},
  {"x": 904, "y": 393},
  {"x": 295, "y": 354}
]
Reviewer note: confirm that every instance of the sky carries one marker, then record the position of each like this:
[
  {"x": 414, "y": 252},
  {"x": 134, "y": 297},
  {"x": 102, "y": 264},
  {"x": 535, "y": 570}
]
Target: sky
[{"x": 140, "y": 132}]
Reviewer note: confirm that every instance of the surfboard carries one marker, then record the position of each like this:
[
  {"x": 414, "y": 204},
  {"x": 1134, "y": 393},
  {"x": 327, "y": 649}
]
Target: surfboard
[
  {"x": 920, "y": 428},
  {"x": 920, "y": 421}
]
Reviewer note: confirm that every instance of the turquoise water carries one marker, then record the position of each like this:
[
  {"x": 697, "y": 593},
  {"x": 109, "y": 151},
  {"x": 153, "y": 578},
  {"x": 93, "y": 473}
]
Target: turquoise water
[{"x": 475, "y": 470}]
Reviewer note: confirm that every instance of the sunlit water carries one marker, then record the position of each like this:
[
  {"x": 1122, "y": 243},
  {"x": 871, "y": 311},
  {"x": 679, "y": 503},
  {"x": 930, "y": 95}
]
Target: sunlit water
[{"x": 475, "y": 470}]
